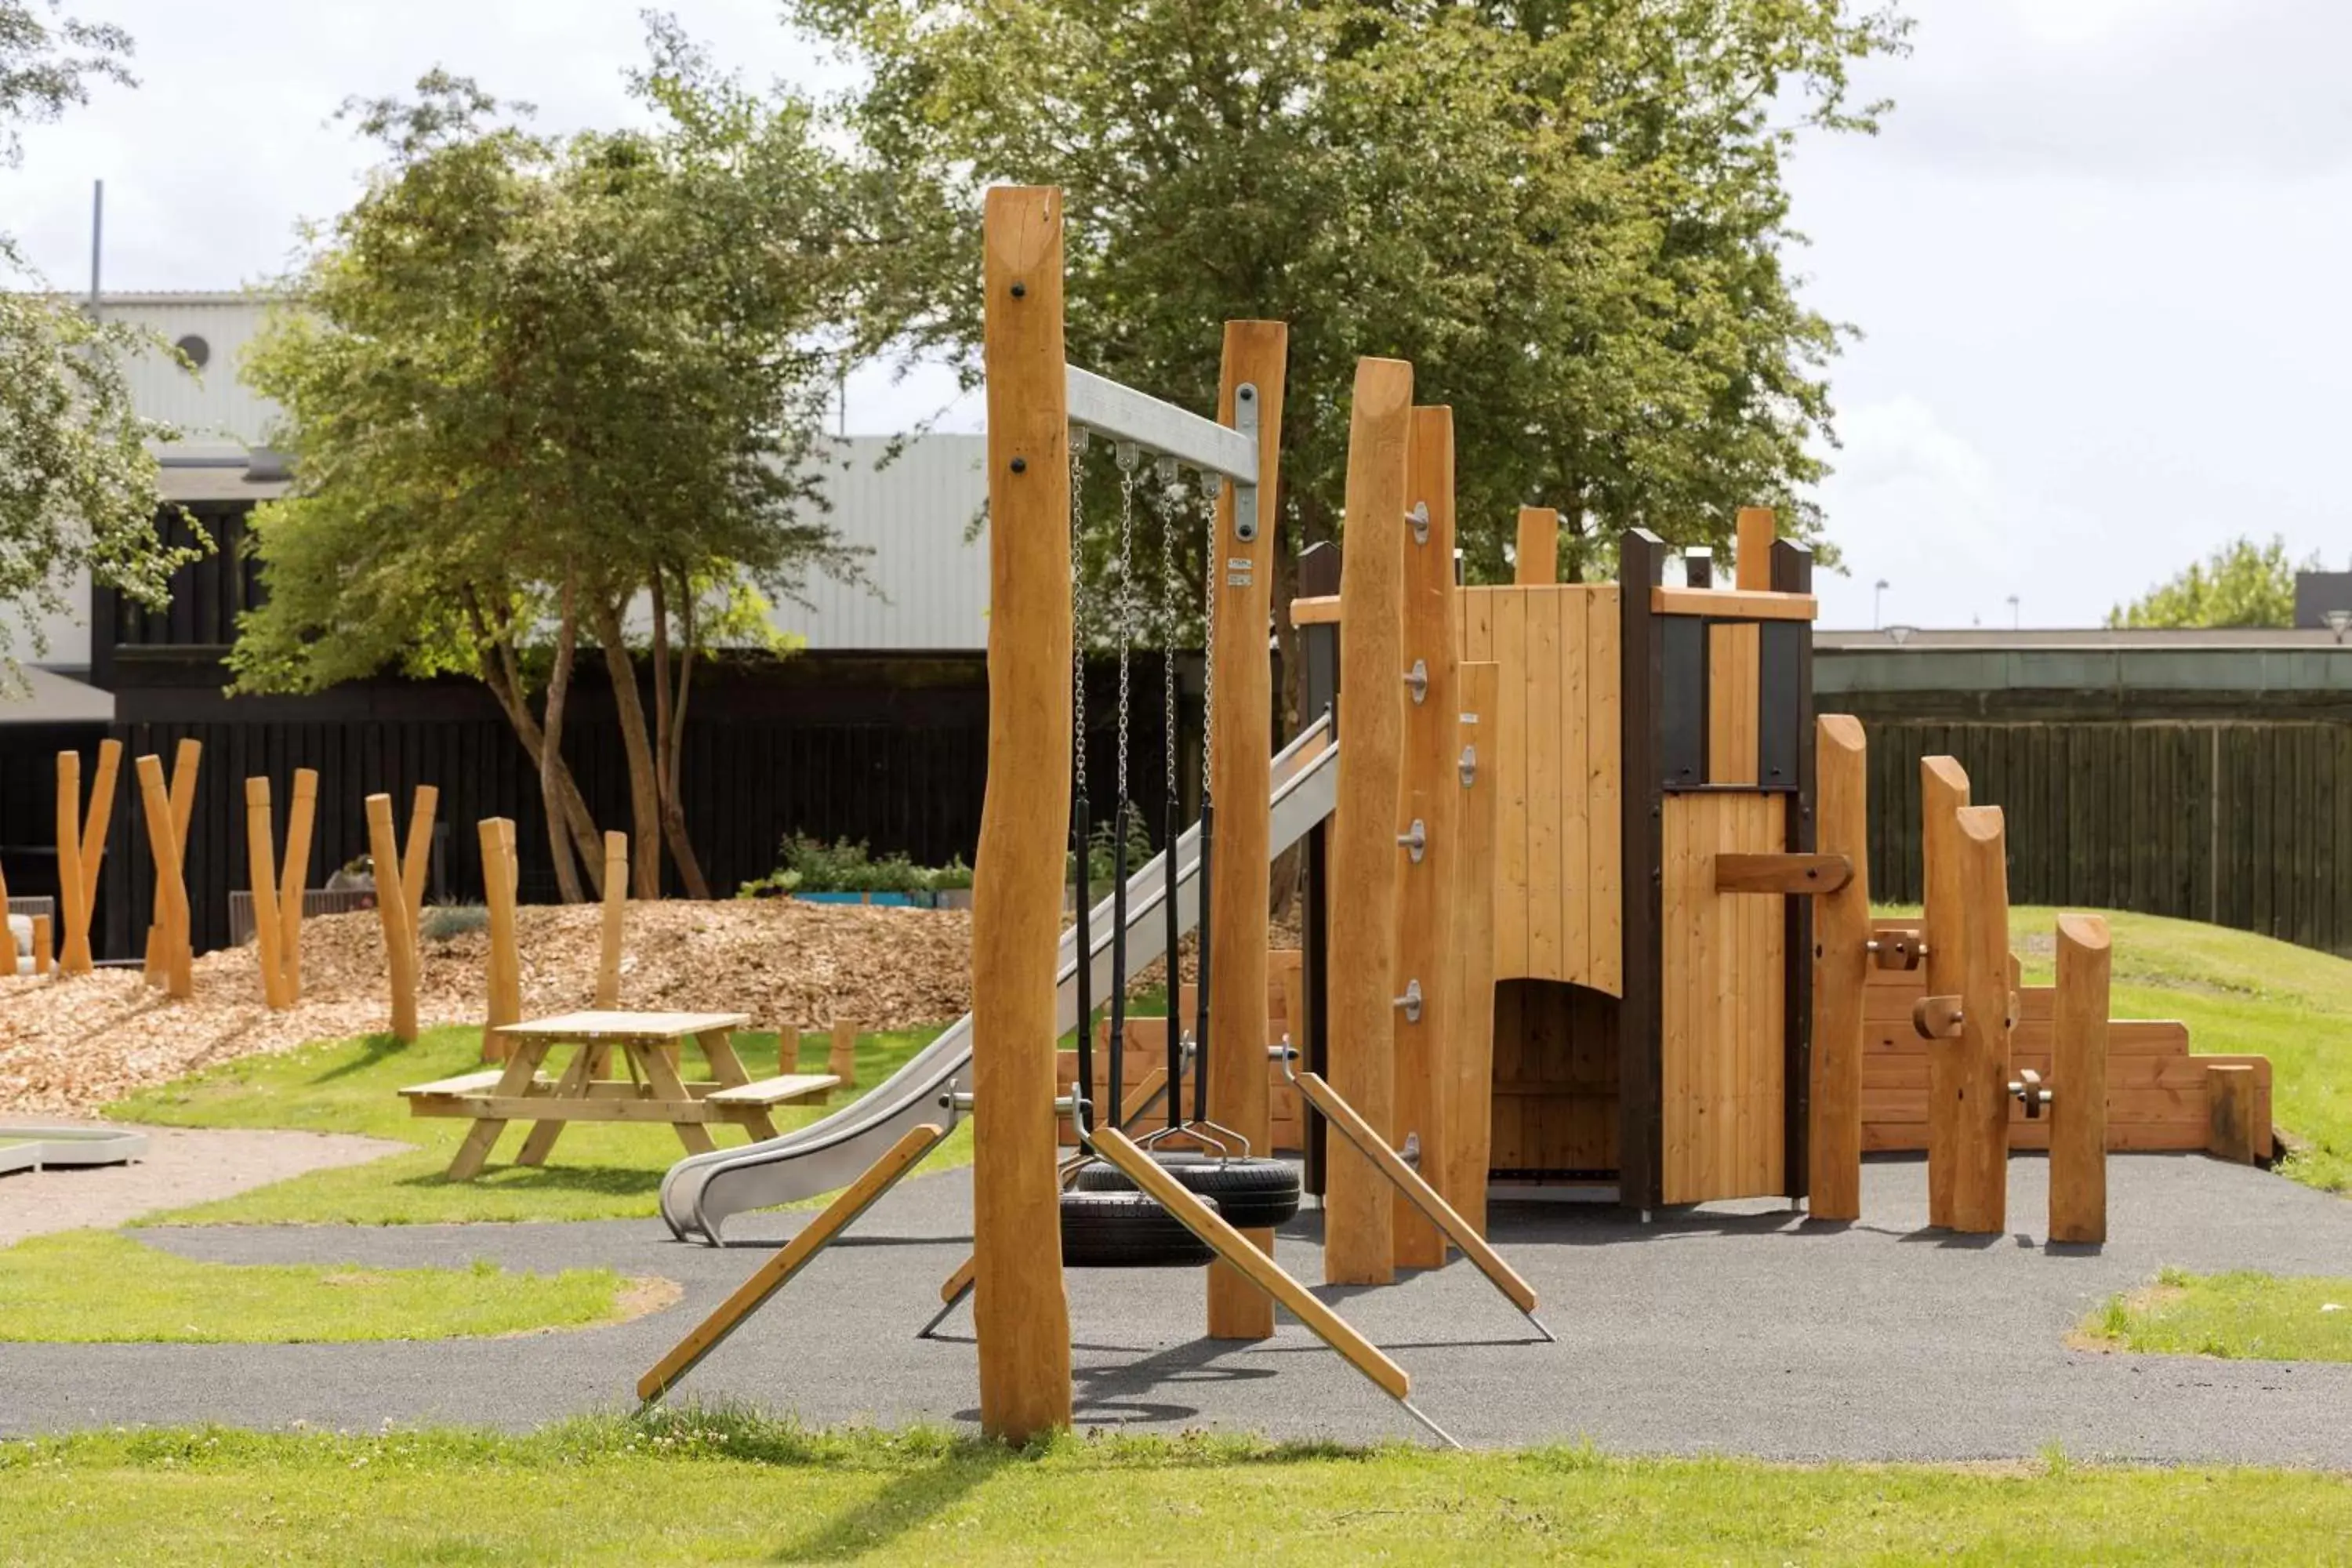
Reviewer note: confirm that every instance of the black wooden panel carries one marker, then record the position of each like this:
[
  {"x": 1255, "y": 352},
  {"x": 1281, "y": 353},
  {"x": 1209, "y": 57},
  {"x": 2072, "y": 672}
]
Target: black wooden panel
[
  {"x": 1784, "y": 702},
  {"x": 1681, "y": 711}
]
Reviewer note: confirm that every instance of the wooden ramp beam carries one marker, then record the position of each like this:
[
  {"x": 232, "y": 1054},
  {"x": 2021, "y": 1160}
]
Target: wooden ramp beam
[
  {"x": 1781, "y": 873},
  {"x": 790, "y": 1259},
  {"x": 1424, "y": 1197}
]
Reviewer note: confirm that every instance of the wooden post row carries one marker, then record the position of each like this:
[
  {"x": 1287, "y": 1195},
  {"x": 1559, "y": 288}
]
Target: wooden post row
[
  {"x": 1943, "y": 792},
  {"x": 1020, "y": 1308},
  {"x": 392, "y": 910},
  {"x": 1469, "y": 1106},
  {"x": 2078, "y": 1083},
  {"x": 616, "y": 900},
  {"x": 1840, "y": 969},
  {"x": 294, "y": 880},
  {"x": 1256, "y": 356},
  {"x": 261, "y": 869},
  {"x": 1981, "y": 1076},
  {"x": 168, "y": 946},
  {"x": 500, "y": 874},
  {"x": 1427, "y": 811}
]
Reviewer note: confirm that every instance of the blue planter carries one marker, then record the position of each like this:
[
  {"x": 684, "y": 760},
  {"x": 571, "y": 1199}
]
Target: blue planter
[{"x": 903, "y": 899}]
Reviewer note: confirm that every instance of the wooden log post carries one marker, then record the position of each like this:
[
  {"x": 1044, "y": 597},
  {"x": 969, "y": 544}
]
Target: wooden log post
[
  {"x": 294, "y": 880},
  {"x": 1256, "y": 356},
  {"x": 841, "y": 1054},
  {"x": 616, "y": 899},
  {"x": 392, "y": 914},
  {"x": 2230, "y": 1092},
  {"x": 417, "y": 855},
  {"x": 1535, "y": 555},
  {"x": 1752, "y": 568},
  {"x": 42, "y": 962},
  {"x": 164, "y": 841},
  {"x": 1840, "y": 969},
  {"x": 8, "y": 955},
  {"x": 73, "y": 910},
  {"x": 1020, "y": 1311},
  {"x": 186, "y": 758},
  {"x": 2078, "y": 1083},
  {"x": 1981, "y": 1082},
  {"x": 95, "y": 828},
  {"x": 1359, "y": 1207},
  {"x": 1943, "y": 792},
  {"x": 504, "y": 1003},
  {"x": 261, "y": 869},
  {"x": 1428, "y": 810},
  {"x": 1470, "y": 1096}
]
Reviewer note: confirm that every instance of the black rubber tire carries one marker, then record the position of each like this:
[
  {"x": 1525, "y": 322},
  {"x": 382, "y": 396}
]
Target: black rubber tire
[
  {"x": 1251, "y": 1193},
  {"x": 1126, "y": 1230}
]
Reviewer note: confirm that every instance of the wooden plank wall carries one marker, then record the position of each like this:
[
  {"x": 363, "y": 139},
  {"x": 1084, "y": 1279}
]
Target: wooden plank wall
[
  {"x": 1555, "y": 1115},
  {"x": 1723, "y": 1067},
  {"x": 2247, "y": 825},
  {"x": 1557, "y": 910}
]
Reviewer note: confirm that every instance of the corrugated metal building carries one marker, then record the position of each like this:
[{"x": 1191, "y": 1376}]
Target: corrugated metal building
[{"x": 927, "y": 585}]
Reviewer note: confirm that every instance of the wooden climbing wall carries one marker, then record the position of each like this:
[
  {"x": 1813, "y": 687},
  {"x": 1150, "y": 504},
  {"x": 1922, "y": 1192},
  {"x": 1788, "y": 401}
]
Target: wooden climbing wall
[
  {"x": 1723, "y": 1058},
  {"x": 1554, "y": 739}
]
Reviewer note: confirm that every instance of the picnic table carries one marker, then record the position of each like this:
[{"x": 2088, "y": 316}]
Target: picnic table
[{"x": 650, "y": 1046}]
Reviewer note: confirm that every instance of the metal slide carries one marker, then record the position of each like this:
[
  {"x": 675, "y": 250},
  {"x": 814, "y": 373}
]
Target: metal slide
[{"x": 703, "y": 1192}]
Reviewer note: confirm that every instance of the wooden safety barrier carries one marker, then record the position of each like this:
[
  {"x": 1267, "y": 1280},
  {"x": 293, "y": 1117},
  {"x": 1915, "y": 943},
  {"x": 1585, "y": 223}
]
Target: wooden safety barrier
[
  {"x": 790, "y": 1259},
  {"x": 168, "y": 944},
  {"x": 1359, "y": 1231},
  {"x": 1470, "y": 1096},
  {"x": 616, "y": 904},
  {"x": 392, "y": 909},
  {"x": 500, "y": 875},
  {"x": 1841, "y": 970},
  {"x": 261, "y": 869},
  {"x": 1943, "y": 792},
  {"x": 2078, "y": 1083}
]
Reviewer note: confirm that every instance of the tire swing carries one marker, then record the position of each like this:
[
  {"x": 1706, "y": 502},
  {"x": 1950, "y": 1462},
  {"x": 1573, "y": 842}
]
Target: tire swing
[
  {"x": 1114, "y": 1228},
  {"x": 1251, "y": 1192}
]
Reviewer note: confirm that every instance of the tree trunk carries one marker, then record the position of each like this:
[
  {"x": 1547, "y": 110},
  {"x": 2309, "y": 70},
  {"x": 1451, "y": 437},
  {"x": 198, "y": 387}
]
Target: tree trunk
[
  {"x": 552, "y": 767},
  {"x": 505, "y": 682},
  {"x": 645, "y": 794},
  {"x": 670, "y": 722}
]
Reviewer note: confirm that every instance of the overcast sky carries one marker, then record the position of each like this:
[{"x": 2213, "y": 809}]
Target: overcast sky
[{"x": 2098, "y": 253}]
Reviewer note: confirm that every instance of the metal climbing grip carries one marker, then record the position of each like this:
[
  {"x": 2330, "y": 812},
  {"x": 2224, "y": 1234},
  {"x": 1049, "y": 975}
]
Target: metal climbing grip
[
  {"x": 1411, "y": 1000},
  {"x": 1417, "y": 680},
  {"x": 1414, "y": 840}
]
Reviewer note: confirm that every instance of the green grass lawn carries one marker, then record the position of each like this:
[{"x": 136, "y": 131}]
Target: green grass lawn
[
  {"x": 699, "y": 1489},
  {"x": 2239, "y": 995},
  {"x": 91, "y": 1287},
  {"x": 2243, "y": 1316},
  {"x": 599, "y": 1170}
]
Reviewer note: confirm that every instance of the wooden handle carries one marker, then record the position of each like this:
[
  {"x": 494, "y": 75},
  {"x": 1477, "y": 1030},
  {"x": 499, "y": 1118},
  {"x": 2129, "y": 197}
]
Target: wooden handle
[{"x": 1781, "y": 873}]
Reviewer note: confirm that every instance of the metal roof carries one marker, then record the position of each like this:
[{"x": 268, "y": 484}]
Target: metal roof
[{"x": 55, "y": 699}]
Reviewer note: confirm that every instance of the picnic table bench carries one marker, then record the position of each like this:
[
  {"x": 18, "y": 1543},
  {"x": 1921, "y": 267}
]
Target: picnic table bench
[{"x": 650, "y": 1045}]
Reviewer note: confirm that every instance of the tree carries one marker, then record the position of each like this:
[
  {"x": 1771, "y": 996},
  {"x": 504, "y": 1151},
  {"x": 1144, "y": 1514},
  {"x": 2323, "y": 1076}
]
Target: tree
[
  {"x": 2241, "y": 584},
  {"x": 543, "y": 393},
  {"x": 1569, "y": 215},
  {"x": 76, "y": 481}
]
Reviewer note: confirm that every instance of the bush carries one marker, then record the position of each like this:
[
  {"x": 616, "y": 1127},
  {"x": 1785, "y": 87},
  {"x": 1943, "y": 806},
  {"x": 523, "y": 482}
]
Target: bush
[
  {"x": 447, "y": 923},
  {"x": 812, "y": 866},
  {"x": 1100, "y": 866}
]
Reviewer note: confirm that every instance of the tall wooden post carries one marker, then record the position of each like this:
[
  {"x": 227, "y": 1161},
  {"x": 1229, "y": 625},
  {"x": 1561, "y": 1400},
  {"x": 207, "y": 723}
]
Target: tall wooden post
[
  {"x": 841, "y": 1053},
  {"x": 1943, "y": 792},
  {"x": 73, "y": 909},
  {"x": 1534, "y": 559},
  {"x": 186, "y": 758},
  {"x": 294, "y": 880},
  {"x": 1426, "y": 938},
  {"x": 1240, "y": 759},
  {"x": 616, "y": 899},
  {"x": 1840, "y": 969},
  {"x": 415, "y": 856},
  {"x": 1359, "y": 1206},
  {"x": 41, "y": 961},
  {"x": 392, "y": 914},
  {"x": 2078, "y": 1083},
  {"x": 164, "y": 839},
  {"x": 1470, "y": 1096},
  {"x": 1752, "y": 570},
  {"x": 504, "y": 1002},
  {"x": 1019, "y": 1309},
  {"x": 262, "y": 869},
  {"x": 1981, "y": 1111},
  {"x": 8, "y": 931},
  {"x": 95, "y": 827}
]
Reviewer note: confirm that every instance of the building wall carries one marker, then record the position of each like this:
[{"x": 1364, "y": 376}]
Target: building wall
[
  {"x": 927, "y": 584},
  {"x": 214, "y": 402}
]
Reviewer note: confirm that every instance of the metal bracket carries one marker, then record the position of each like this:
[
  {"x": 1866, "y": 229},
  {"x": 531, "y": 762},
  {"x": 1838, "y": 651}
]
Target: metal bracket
[
  {"x": 1419, "y": 518},
  {"x": 1417, "y": 680},
  {"x": 1245, "y": 494},
  {"x": 1411, "y": 1000},
  {"x": 1468, "y": 766},
  {"x": 1415, "y": 839},
  {"x": 2027, "y": 1086}
]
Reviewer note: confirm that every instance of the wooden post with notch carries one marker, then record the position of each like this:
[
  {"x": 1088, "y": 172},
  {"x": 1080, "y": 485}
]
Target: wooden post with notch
[
  {"x": 1943, "y": 792},
  {"x": 392, "y": 914},
  {"x": 503, "y": 1006},
  {"x": 294, "y": 879},
  {"x": 1428, "y": 810},
  {"x": 2078, "y": 1083},
  {"x": 1841, "y": 968},
  {"x": 1256, "y": 356},
  {"x": 262, "y": 869},
  {"x": 1535, "y": 555},
  {"x": 616, "y": 900},
  {"x": 1359, "y": 1207},
  {"x": 415, "y": 856},
  {"x": 1980, "y": 1111},
  {"x": 164, "y": 839},
  {"x": 1470, "y": 1098},
  {"x": 1021, "y": 1311}
]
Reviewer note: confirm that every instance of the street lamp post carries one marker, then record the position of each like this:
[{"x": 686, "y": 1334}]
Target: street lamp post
[{"x": 1877, "y": 594}]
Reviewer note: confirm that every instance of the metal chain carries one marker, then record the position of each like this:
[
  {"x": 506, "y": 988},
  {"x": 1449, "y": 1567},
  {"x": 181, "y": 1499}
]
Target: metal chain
[
  {"x": 1171, "y": 584},
  {"x": 1079, "y": 614},
  {"x": 1210, "y": 485},
  {"x": 1126, "y": 605}
]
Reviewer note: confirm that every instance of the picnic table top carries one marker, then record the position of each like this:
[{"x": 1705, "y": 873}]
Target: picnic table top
[{"x": 594, "y": 1024}]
